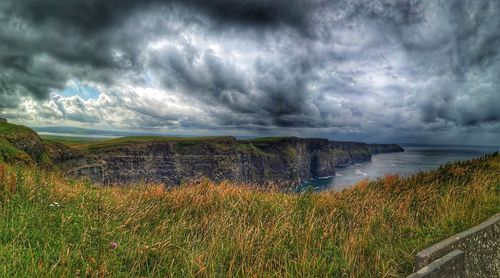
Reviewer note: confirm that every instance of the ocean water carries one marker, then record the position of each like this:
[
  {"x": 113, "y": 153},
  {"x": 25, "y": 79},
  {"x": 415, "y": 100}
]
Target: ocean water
[{"x": 415, "y": 158}]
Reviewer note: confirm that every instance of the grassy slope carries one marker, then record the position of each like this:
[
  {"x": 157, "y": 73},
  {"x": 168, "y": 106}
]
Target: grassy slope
[
  {"x": 265, "y": 139},
  {"x": 76, "y": 142},
  {"x": 202, "y": 229},
  {"x": 94, "y": 144},
  {"x": 8, "y": 152},
  {"x": 14, "y": 130}
]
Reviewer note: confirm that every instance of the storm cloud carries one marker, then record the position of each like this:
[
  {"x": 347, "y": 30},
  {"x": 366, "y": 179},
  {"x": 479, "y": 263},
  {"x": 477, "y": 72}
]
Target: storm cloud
[{"x": 384, "y": 70}]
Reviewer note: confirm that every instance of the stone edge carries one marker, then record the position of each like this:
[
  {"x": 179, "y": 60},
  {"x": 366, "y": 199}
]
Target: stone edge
[
  {"x": 427, "y": 255},
  {"x": 446, "y": 265}
]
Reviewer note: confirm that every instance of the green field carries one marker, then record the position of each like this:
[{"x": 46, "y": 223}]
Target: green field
[
  {"x": 97, "y": 143},
  {"x": 52, "y": 226},
  {"x": 90, "y": 143},
  {"x": 72, "y": 140},
  {"x": 265, "y": 139}
]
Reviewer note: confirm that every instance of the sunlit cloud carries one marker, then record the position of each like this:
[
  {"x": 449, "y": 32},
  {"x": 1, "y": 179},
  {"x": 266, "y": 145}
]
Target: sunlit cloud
[{"x": 352, "y": 70}]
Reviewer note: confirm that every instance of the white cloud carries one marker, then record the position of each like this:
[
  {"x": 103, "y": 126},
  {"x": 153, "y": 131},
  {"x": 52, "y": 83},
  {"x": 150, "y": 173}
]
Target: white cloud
[{"x": 345, "y": 68}]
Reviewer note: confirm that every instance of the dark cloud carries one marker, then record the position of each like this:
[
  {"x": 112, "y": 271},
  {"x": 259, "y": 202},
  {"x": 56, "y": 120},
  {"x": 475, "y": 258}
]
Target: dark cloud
[
  {"x": 94, "y": 15},
  {"x": 325, "y": 68},
  {"x": 86, "y": 33}
]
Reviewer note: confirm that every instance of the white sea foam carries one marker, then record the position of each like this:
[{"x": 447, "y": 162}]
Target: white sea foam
[{"x": 359, "y": 172}]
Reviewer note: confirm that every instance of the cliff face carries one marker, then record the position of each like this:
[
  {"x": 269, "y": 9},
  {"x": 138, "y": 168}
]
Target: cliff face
[
  {"x": 255, "y": 161},
  {"x": 174, "y": 160}
]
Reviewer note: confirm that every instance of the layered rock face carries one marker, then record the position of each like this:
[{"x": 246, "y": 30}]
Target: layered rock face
[
  {"x": 254, "y": 161},
  {"x": 174, "y": 160}
]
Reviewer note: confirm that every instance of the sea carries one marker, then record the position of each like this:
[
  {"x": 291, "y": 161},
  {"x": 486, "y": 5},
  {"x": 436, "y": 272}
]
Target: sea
[{"x": 415, "y": 158}]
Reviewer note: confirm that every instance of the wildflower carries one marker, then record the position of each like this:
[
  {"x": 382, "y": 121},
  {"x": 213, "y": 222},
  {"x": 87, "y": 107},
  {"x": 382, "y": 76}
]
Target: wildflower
[
  {"x": 113, "y": 245},
  {"x": 54, "y": 204}
]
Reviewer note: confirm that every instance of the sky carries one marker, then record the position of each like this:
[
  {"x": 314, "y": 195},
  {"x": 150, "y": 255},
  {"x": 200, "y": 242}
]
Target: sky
[{"x": 362, "y": 70}]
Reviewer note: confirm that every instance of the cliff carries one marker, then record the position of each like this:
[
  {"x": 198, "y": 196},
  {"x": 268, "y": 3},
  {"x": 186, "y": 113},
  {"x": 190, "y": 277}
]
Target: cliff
[
  {"x": 173, "y": 160},
  {"x": 21, "y": 145},
  {"x": 384, "y": 148}
]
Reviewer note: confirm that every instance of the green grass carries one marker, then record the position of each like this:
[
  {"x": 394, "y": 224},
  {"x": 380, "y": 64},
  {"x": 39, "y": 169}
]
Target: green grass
[
  {"x": 265, "y": 139},
  {"x": 148, "y": 139},
  {"x": 14, "y": 133},
  {"x": 97, "y": 143},
  {"x": 71, "y": 140},
  {"x": 51, "y": 226},
  {"x": 91, "y": 143},
  {"x": 12, "y": 129},
  {"x": 11, "y": 154}
]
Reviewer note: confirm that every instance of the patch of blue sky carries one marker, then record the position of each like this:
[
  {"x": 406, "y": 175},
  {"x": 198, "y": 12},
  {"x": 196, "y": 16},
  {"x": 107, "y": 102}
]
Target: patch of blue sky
[{"x": 80, "y": 89}]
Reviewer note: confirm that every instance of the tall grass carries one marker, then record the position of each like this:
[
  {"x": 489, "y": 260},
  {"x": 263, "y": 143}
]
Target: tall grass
[{"x": 51, "y": 226}]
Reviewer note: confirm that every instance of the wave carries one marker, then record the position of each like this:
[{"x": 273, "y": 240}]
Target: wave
[{"x": 359, "y": 172}]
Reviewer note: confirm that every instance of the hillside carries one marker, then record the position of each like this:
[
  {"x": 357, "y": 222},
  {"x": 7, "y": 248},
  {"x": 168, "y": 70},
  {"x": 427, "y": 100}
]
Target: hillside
[
  {"x": 20, "y": 144},
  {"x": 173, "y": 160},
  {"x": 51, "y": 226}
]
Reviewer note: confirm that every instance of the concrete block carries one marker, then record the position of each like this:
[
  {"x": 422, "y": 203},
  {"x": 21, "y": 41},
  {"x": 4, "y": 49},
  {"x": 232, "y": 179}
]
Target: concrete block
[{"x": 450, "y": 265}]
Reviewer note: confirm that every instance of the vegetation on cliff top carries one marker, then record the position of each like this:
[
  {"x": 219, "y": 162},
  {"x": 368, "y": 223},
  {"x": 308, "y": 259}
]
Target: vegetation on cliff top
[
  {"x": 266, "y": 139},
  {"x": 51, "y": 226},
  {"x": 11, "y": 138},
  {"x": 248, "y": 145},
  {"x": 95, "y": 143},
  {"x": 148, "y": 139},
  {"x": 71, "y": 141}
]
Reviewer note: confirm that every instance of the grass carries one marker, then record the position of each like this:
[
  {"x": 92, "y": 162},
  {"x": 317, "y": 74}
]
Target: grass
[
  {"x": 11, "y": 154},
  {"x": 94, "y": 144},
  {"x": 266, "y": 139},
  {"x": 14, "y": 130},
  {"x": 148, "y": 139},
  {"x": 98, "y": 143},
  {"x": 51, "y": 226},
  {"x": 76, "y": 142},
  {"x": 82, "y": 142},
  {"x": 11, "y": 134}
]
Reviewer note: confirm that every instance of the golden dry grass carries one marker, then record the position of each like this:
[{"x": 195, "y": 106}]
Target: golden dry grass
[{"x": 51, "y": 226}]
